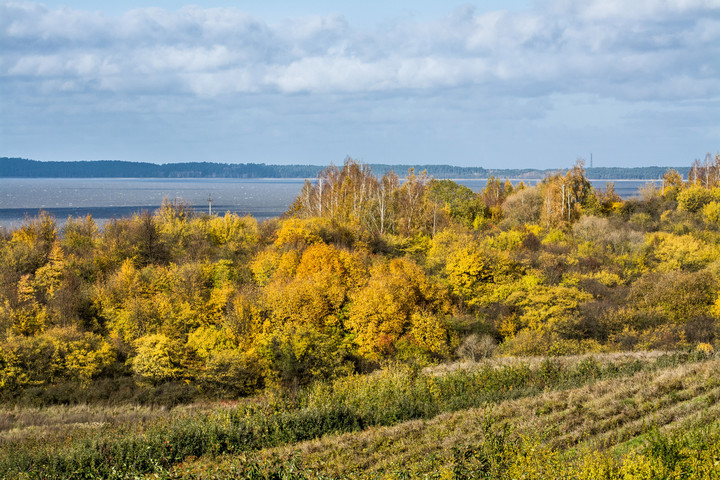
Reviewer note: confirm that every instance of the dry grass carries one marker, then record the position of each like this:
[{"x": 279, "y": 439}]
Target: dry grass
[
  {"x": 600, "y": 415},
  {"x": 609, "y": 412},
  {"x": 19, "y": 423},
  {"x": 533, "y": 362}
]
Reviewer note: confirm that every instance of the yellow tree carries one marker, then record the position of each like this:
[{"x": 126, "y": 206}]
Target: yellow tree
[
  {"x": 49, "y": 277},
  {"x": 234, "y": 235},
  {"x": 577, "y": 191},
  {"x": 132, "y": 302},
  {"x": 29, "y": 317},
  {"x": 672, "y": 184},
  {"x": 63, "y": 291},
  {"x": 297, "y": 233},
  {"x": 157, "y": 358},
  {"x": 79, "y": 237},
  {"x": 608, "y": 199},
  {"x": 34, "y": 240},
  {"x": 248, "y": 318},
  {"x": 324, "y": 278},
  {"x": 398, "y": 301},
  {"x": 475, "y": 272}
]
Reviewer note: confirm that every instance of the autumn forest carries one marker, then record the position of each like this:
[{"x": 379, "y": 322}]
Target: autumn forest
[{"x": 364, "y": 277}]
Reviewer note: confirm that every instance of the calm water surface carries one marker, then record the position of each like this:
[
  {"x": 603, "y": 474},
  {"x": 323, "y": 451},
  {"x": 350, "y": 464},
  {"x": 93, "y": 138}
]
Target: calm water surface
[{"x": 106, "y": 198}]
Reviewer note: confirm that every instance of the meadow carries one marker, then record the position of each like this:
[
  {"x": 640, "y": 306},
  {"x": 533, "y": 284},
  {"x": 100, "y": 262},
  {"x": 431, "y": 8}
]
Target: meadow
[{"x": 649, "y": 415}]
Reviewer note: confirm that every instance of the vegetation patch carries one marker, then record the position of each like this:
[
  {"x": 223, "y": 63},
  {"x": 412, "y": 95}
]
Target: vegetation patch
[{"x": 548, "y": 331}]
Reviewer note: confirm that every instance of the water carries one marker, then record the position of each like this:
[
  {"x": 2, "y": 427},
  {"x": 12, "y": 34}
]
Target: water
[{"x": 106, "y": 198}]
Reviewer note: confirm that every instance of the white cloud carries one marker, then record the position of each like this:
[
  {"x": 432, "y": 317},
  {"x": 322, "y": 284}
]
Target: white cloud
[
  {"x": 615, "y": 48},
  {"x": 605, "y": 10}
]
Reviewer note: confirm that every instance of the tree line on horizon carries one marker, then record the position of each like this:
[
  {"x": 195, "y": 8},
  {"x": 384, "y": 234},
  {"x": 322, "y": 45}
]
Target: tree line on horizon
[
  {"x": 361, "y": 271},
  {"x": 24, "y": 168}
]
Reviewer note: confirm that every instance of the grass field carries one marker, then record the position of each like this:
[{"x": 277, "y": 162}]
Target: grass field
[{"x": 649, "y": 415}]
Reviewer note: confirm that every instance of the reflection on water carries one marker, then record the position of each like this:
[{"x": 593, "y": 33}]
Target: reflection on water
[{"x": 106, "y": 198}]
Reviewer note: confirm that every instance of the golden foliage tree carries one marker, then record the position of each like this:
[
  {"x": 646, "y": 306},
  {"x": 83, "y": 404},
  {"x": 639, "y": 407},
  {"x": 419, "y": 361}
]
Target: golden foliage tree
[{"x": 397, "y": 296}]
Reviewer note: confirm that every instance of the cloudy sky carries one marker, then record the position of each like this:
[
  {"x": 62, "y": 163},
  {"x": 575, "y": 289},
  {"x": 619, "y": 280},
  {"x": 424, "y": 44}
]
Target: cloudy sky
[{"x": 499, "y": 84}]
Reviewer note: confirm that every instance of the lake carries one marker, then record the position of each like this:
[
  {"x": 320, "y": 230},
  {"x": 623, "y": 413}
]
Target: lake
[{"x": 106, "y": 198}]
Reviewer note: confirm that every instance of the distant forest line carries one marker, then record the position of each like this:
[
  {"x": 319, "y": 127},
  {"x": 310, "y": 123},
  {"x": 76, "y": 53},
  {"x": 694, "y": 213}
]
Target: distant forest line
[{"x": 25, "y": 168}]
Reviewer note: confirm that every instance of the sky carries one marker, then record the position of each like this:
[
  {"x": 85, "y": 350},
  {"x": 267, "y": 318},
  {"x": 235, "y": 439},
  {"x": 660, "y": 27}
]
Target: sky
[{"x": 496, "y": 84}]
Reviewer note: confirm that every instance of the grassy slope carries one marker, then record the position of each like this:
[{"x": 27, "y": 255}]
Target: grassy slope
[
  {"x": 613, "y": 415},
  {"x": 565, "y": 409}
]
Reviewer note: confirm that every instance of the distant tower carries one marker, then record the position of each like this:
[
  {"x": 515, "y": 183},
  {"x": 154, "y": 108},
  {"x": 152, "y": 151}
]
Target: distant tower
[
  {"x": 591, "y": 160},
  {"x": 210, "y": 204}
]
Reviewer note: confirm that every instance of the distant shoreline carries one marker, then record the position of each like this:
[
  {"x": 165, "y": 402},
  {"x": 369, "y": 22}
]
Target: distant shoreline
[
  {"x": 25, "y": 168},
  {"x": 312, "y": 179}
]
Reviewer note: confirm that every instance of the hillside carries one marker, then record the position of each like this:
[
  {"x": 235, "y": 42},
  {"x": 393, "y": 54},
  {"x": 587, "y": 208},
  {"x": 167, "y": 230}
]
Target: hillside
[
  {"x": 647, "y": 415},
  {"x": 566, "y": 431},
  {"x": 427, "y": 329}
]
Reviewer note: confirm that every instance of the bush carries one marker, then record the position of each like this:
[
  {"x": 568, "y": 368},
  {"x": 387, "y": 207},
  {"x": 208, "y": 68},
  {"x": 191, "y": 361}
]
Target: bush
[
  {"x": 475, "y": 347},
  {"x": 694, "y": 198}
]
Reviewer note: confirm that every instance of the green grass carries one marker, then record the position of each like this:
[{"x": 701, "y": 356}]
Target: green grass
[{"x": 394, "y": 421}]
